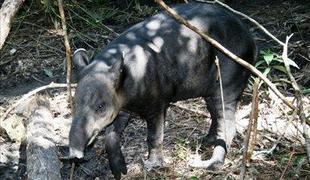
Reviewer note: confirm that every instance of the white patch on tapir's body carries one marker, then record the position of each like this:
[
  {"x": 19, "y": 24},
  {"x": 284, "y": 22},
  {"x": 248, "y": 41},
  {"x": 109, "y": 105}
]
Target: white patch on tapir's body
[
  {"x": 112, "y": 51},
  {"x": 131, "y": 36},
  {"x": 138, "y": 60},
  {"x": 157, "y": 44},
  {"x": 153, "y": 27},
  {"x": 192, "y": 44}
]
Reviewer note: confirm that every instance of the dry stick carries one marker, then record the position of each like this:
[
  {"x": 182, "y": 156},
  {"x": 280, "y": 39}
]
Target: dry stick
[
  {"x": 213, "y": 42},
  {"x": 250, "y": 19},
  {"x": 69, "y": 64},
  {"x": 72, "y": 171},
  {"x": 288, "y": 164},
  {"x": 298, "y": 95},
  {"x": 29, "y": 94},
  {"x": 68, "y": 53},
  {"x": 251, "y": 127},
  {"x": 254, "y": 117},
  {"x": 202, "y": 113},
  {"x": 7, "y": 12},
  {"x": 217, "y": 63}
]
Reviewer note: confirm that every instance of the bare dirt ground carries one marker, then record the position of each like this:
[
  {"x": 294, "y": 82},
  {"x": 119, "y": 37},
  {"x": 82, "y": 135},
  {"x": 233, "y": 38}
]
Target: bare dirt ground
[{"x": 34, "y": 55}]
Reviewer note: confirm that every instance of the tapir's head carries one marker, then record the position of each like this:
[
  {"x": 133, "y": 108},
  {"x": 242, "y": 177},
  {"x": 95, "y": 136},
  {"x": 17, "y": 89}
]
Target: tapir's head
[{"x": 97, "y": 100}]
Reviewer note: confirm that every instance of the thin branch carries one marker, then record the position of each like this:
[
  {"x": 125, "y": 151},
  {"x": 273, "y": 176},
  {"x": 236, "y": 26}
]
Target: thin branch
[
  {"x": 250, "y": 138},
  {"x": 299, "y": 97},
  {"x": 288, "y": 164},
  {"x": 217, "y": 63},
  {"x": 72, "y": 170},
  {"x": 202, "y": 113},
  {"x": 220, "y": 47},
  {"x": 29, "y": 94},
  {"x": 250, "y": 19},
  {"x": 68, "y": 53}
]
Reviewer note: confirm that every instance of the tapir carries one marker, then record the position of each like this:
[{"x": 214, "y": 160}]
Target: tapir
[{"x": 159, "y": 61}]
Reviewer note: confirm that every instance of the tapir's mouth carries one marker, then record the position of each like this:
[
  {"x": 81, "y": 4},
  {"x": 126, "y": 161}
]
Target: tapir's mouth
[
  {"x": 93, "y": 137},
  {"x": 75, "y": 153}
]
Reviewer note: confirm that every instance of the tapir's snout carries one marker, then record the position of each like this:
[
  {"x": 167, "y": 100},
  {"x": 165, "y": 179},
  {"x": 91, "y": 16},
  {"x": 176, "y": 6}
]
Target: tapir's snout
[
  {"x": 77, "y": 139},
  {"x": 81, "y": 135},
  {"x": 75, "y": 153}
]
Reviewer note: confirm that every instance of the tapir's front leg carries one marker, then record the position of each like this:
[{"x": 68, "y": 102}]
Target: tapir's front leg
[
  {"x": 155, "y": 127},
  {"x": 113, "y": 144}
]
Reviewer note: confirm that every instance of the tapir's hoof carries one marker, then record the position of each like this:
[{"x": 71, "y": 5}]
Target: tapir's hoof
[
  {"x": 208, "y": 164},
  {"x": 118, "y": 167},
  {"x": 152, "y": 164},
  {"x": 117, "y": 162}
]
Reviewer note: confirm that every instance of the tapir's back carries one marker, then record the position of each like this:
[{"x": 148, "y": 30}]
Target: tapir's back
[
  {"x": 162, "y": 34},
  {"x": 160, "y": 52}
]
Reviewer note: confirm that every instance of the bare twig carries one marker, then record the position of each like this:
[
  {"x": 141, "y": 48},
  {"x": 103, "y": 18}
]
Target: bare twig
[
  {"x": 254, "y": 118},
  {"x": 202, "y": 113},
  {"x": 7, "y": 12},
  {"x": 29, "y": 94},
  {"x": 298, "y": 95},
  {"x": 220, "y": 47},
  {"x": 250, "y": 138},
  {"x": 288, "y": 164},
  {"x": 68, "y": 53},
  {"x": 72, "y": 170},
  {"x": 217, "y": 63},
  {"x": 250, "y": 19}
]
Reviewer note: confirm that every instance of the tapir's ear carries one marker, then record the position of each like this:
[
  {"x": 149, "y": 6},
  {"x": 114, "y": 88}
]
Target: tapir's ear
[
  {"x": 118, "y": 72},
  {"x": 80, "y": 59}
]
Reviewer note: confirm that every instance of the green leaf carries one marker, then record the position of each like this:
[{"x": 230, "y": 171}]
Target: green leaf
[
  {"x": 289, "y": 61},
  {"x": 266, "y": 71},
  {"x": 268, "y": 57},
  {"x": 194, "y": 178},
  {"x": 280, "y": 68},
  {"x": 292, "y": 63},
  {"x": 306, "y": 91},
  {"x": 48, "y": 72},
  {"x": 262, "y": 52},
  {"x": 259, "y": 63}
]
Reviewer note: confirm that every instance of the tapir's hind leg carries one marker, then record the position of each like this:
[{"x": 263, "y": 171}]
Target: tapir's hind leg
[
  {"x": 223, "y": 130},
  {"x": 212, "y": 134}
]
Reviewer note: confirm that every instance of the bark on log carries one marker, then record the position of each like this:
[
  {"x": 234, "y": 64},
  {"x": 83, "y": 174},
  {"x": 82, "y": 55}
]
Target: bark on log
[
  {"x": 7, "y": 12},
  {"x": 42, "y": 159}
]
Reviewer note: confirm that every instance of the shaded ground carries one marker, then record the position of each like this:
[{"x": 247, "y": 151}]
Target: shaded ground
[{"x": 34, "y": 56}]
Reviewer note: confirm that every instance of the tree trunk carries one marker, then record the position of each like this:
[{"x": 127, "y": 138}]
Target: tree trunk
[
  {"x": 42, "y": 159},
  {"x": 7, "y": 12}
]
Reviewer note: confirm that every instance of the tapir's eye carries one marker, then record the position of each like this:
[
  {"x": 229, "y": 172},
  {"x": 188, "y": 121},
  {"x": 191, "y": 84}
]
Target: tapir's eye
[{"x": 100, "y": 107}]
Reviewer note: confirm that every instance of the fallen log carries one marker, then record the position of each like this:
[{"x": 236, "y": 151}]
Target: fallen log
[
  {"x": 7, "y": 12},
  {"x": 42, "y": 159}
]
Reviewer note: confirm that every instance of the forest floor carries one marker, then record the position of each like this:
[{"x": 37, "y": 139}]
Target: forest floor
[{"x": 34, "y": 56}]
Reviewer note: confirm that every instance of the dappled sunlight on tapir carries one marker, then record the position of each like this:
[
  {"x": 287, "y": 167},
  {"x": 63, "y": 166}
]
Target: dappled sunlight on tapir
[{"x": 152, "y": 64}]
